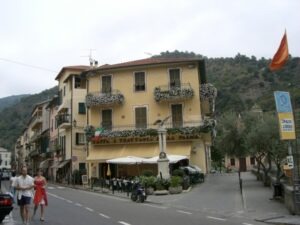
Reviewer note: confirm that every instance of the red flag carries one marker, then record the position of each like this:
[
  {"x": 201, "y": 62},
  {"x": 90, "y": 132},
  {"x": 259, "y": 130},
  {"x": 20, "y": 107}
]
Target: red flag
[{"x": 281, "y": 55}]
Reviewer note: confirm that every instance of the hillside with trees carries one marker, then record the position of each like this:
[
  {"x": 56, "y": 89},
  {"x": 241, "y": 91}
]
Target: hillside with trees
[
  {"x": 13, "y": 119},
  {"x": 10, "y": 100},
  {"x": 243, "y": 81}
]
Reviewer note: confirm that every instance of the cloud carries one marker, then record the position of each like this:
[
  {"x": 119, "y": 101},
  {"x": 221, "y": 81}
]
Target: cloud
[{"x": 57, "y": 33}]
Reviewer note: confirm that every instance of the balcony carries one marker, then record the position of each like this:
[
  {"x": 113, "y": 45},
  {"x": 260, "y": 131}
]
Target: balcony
[
  {"x": 171, "y": 93},
  {"x": 208, "y": 94},
  {"x": 187, "y": 130},
  {"x": 63, "y": 121},
  {"x": 112, "y": 98},
  {"x": 36, "y": 135},
  {"x": 36, "y": 121}
]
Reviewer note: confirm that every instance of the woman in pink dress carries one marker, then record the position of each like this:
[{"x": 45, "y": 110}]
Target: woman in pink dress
[{"x": 40, "y": 196}]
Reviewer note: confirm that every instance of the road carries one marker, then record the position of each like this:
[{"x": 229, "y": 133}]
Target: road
[{"x": 77, "y": 207}]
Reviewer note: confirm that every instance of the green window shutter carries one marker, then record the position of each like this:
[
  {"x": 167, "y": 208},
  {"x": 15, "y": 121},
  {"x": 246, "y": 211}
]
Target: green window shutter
[
  {"x": 81, "y": 108},
  {"x": 77, "y": 138}
]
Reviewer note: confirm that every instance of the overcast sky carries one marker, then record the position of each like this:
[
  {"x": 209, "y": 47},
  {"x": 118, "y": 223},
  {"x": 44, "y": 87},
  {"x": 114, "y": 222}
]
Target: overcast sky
[{"x": 54, "y": 33}]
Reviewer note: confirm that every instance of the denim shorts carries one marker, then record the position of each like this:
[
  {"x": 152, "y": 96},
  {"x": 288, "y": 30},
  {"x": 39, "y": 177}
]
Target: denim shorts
[{"x": 24, "y": 200}]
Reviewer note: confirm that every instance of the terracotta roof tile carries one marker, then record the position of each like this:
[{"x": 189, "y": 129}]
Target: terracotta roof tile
[
  {"x": 147, "y": 61},
  {"x": 74, "y": 68}
]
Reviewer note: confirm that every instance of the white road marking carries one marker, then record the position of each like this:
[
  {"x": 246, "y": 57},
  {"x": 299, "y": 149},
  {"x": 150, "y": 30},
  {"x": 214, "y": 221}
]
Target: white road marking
[
  {"x": 53, "y": 195},
  {"x": 184, "y": 212},
  {"x": 78, "y": 204},
  {"x": 216, "y": 218},
  {"x": 247, "y": 223},
  {"x": 124, "y": 223},
  {"x": 155, "y": 206},
  {"x": 59, "y": 187},
  {"x": 69, "y": 201},
  {"x": 89, "y": 209},
  {"x": 103, "y": 215},
  {"x": 51, "y": 188}
]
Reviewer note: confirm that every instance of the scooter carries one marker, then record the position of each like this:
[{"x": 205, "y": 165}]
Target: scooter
[{"x": 138, "y": 193}]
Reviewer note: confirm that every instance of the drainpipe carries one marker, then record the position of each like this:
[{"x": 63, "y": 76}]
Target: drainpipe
[{"x": 71, "y": 163}]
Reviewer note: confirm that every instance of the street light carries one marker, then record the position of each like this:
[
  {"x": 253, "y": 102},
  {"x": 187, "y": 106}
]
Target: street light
[{"x": 163, "y": 161}]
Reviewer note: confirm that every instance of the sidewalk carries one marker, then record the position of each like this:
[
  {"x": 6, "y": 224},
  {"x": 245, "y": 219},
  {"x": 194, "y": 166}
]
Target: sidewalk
[{"x": 258, "y": 203}]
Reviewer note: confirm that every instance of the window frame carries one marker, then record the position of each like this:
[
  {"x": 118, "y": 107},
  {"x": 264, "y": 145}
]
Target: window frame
[
  {"x": 134, "y": 113},
  {"x": 81, "y": 105},
  {"x": 182, "y": 113},
  {"x": 180, "y": 76},
  {"x": 101, "y": 83},
  {"x": 80, "y": 138},
  {"x": 135, "y": 83}
]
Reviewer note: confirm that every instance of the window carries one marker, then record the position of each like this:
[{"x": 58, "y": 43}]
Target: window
[
  {"x": 60, "y": 97},
  {"x": 174, "y": 78},
  {"x": 232, "y": 162},
  {"x": 82, "y": 167},
  {"x": 106, "y": 84},
  {"x": 107, "y": 119},
  {"x": 77, "y": 82},
  {"x": 5, "y": 163},
  {"x": 80, "y": 139},
  {"x": 139, "y": 78},
  {"x": 64, "y": 90},
  {"x": 177, "y": 119},
  {"x": 141, "y": 117},
  {"x": 81, "y": 108},
  {"x": 252, "y": 160}
]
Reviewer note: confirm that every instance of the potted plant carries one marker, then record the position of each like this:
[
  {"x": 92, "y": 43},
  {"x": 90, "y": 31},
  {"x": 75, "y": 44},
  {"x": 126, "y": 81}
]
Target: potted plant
[{"x": 175, "y": 185}]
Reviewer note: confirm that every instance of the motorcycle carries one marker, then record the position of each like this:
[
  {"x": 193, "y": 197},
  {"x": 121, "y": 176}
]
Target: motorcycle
[{"x": 138, "y": 193}]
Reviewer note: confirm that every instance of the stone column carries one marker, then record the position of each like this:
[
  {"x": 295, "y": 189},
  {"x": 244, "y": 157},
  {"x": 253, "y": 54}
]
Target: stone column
[{"x": 163, "y": 161}]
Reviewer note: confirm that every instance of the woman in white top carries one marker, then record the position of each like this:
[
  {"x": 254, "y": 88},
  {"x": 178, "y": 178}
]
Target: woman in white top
[{"x": 13, "y": 184}]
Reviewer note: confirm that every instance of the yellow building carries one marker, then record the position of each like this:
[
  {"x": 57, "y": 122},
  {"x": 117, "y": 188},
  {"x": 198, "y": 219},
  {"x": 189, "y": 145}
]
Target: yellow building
[
  {"x": 124, "y": 100},
  {"x": 70, "y": 152}
]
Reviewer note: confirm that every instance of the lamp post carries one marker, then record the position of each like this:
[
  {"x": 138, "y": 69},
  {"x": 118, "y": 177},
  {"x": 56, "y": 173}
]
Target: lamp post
[{"x": 163, "y": 161}]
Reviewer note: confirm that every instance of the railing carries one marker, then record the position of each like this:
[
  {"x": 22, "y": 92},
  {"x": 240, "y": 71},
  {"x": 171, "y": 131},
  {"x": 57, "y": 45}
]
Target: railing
[
  {"x": 173, "y": 92},
  {"x": 63, "y": 118},
  {"x": 190, "y": 129},
  {"x": 36, "y": 119},
  {"x": 36, "y": 135},
  {"x": 104, "y": 98}
]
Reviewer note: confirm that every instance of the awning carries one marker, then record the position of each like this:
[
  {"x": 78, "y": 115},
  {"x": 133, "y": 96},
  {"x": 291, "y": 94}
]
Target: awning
[
  {"x": 102, "y": 153},
  {"x": 55, "y": 164},
  {"x": 63, "y": 163},
  {"x": 44, "y": 164},
  {"x": 129, "y": 160},
  {"x": 172, "y": 159},
  {"x": 60, "y": 164}
]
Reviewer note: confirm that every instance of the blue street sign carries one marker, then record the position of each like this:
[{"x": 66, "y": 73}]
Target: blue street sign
[{"x": 283, "y": 101}]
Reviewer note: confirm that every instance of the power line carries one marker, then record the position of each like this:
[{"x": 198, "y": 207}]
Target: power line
[{"x": 28, "y": 65}]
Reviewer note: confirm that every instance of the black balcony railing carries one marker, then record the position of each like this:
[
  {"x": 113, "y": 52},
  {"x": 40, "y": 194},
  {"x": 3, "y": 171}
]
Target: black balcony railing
[
  {"x": 104, "y": 98},
  {"x": 173, "y": 92},
  {"x": 63, "y": 118}
]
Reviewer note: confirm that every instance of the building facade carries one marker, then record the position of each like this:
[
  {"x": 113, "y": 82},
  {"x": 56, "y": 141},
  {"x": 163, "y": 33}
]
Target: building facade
[
  {"x": 124, "y": 101},
  {"x": 5, "y": 159},
  {"x": 70, "y": 120},
  {"x": 38, "y": 129}
]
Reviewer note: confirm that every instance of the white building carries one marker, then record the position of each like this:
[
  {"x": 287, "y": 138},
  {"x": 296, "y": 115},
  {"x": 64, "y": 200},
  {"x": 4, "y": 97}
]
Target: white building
[{"x": 5, "y": 159}]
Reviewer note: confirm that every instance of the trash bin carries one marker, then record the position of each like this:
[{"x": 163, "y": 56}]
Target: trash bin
[{"x": 277, "y": 190}]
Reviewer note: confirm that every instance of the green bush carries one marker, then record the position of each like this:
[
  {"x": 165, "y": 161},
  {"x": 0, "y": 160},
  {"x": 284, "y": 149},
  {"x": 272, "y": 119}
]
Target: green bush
[
  {"x": 178, "y": 172},
  {"x": 175, "y": 181},
  {"x": 147, "y": 173},
  {"x": 148, "y": 181},
  {"x": 162, "y": 184}
]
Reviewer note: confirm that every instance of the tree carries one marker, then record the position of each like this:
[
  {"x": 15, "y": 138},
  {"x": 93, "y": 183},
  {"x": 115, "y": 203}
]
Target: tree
[
  {"x": 264, "y": 144},
  {"x": 231, "y": 135}
]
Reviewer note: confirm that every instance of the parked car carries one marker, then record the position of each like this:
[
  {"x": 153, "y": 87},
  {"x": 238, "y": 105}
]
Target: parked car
[
  {"x": 6, "y": 175},
  {"x": 6, "y": 203},
  {"x": 194, "y": 172}
]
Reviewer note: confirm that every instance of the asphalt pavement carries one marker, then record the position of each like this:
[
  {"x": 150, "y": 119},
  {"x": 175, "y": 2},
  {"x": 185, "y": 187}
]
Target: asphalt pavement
[{"x": 217, "y": 201}]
